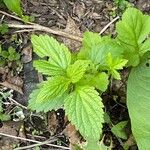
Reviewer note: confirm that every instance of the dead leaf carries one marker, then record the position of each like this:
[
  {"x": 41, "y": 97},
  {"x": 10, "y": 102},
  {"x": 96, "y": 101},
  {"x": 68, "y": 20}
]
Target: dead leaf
[
  {"x": 72, "y": 28},
  {"x": 11, "y": 129},
  {"x": 27, "y": 54},
  {"x": 79, "y": 9},
  {"x": 52, "y": 122},
  {"x": 72, "y": 134},
  {"x": 12, "y": 86}
]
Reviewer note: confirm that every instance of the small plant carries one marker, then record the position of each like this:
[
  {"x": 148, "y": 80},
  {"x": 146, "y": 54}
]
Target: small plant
[
  {"x": 15, "y": 6},
  {"x": 76, "y": 82},
  {"x": 8, "y": 56}
]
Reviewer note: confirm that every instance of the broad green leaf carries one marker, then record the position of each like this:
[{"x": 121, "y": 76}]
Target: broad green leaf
[
  {"x": 119, "y": 130},
  {"x": 50, "y": 104},
  {"x": 47, "y": 68},
  {"x": 132, "y": 31},
  {"x": 99, "y": 81},
  {"x": 53, "y": 87},
  {"x": 138, "y": 103},
  {"x": 43, "y": 45},
  {"x": 113, "y": 65},
  {"x": 84, "y": 109},
  {"x": 90, "y": 39},
  {"x": 14, "y": 6},
  {"x": 77, "y": 70},
  {"x": 97, "y": 54}
]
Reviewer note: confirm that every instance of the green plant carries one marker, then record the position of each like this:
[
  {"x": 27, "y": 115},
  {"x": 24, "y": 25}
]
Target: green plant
[
  {"x": 8, "y": 56},
  {"x": 73, "y": 82},
  {"x": 77, "y": 82},
  {"x": 15, "y": 6}
]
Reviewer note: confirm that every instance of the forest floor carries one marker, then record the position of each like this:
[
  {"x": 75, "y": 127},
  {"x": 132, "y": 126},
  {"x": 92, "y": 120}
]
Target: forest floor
[{"x": 18, "y": 79}]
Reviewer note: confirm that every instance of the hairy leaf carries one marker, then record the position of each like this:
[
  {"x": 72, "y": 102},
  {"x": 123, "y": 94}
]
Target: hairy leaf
[
  {"x": 99, "y": 81},
  {"x": 76, "y": 71},
  {"x": 54, "y": 103},
  {"x": 59, "y": 54},
  {"x": 14, "y": 6},
  {"x": 47, "y": 68},
  {"x": 54, "y": 87},
  {"x": 138, "y": 102},
  {"x": 84, "y": 110},
  {"x": 132, "y": 31}
]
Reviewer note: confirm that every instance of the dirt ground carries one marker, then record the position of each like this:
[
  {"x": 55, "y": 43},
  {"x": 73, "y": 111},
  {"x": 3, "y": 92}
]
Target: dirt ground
[{"x": 74, "y": 17}]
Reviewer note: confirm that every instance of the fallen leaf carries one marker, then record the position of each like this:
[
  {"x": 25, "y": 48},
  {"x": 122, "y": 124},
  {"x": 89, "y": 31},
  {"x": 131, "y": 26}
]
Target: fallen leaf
[
  {"x": 12, "y": 86},
  {"x": 72, "y": 28},
  {"x": 52, "y": 122},
  {"x": 27, "y": 54}
]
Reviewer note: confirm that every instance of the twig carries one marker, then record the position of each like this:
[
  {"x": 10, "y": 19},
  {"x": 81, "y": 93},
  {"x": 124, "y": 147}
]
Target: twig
[
  {"x": 105, "y": 28},
  {"x": 34, "y": 141},
  {"x": 18, "y": 104},
  {"x": 24, "y": 30},
  {"x": 33, "y": 145},
  {"x": 38, "y": 27},
  {"x": 15, "y": 17}
]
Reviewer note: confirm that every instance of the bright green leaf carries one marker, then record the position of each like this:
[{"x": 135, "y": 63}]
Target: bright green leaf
[
  {"x": 4, "y": 117},
  {"x": 138, "y": 103},
  {"x": 43, "y": 45},
  {"x": 119, "y": 130},
  {"x": 47, "y": 68},
  {"x": 50, "y": 104},
  {"x": 84, "y": 109},
  {"x": 132, "y": 31},
  {"x": 53, "y": 87},
  {"x": 14, "y": 6},
  {"x": 76, "y": 71},
  {"x": 99, "y": 81}
]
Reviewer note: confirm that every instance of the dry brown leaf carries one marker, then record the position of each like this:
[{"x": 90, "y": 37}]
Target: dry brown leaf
[
  {"x": 72, "y": 28},
  {"x": 9, "y": 128},
  {"x": 79, "y": 9},
  {"x": 52, "y": 122},
  {"x": 72, "y": 134},
  {"x": 12, "y": 86},
  {"x": 27, "y": 54}
]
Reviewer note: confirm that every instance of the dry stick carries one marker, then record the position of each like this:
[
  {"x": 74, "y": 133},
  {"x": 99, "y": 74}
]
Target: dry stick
[
  {"x": 105, "y": 28},
  {"x": 18, "y": 104},
  {"x": 38, "y": 27},
  {"x": 33, "y": 145},
  {"x": 12, "y": 16},
  {"x": 34, "y": 141}
]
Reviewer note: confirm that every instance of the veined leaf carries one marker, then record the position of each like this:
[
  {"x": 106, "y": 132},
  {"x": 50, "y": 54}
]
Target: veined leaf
[
  {"x": 76, "y": 71},
  {"x": 54, "y": 87},
  {"x": 59, "y": 54},
  {"x": 48, "y": 105},
  {"x": 99, "y": 81},
  {"x": 132, "y": 31},
  {"x": 14, "y": 6},
  {"x": 119, "y": 130},
  {"x": 47, "y": 68},
  {"x": 138, "y": 102},
  {"x": 90, "y": 39},
  {"x": 84, "y": 110}
]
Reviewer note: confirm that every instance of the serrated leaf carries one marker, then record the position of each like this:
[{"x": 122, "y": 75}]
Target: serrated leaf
[
  {"x": 97, "y": 53},
  {"x": 114, "y": 64},
  {"x": 138, "y": 103},
  {"x": 43, "y": 45},
  {"x": 53, "y": 87},
  {"x": 76, "y": 71},
  {"x": 132, "y": 31},
  {"x": 84, "y": 109},
  {"x": 47, "y": 68},
  {"x": 99, "y": 81},
  {"x": 90, "y": 39},
  {"x": 48, "y": 105},
  {"x": 14, "y": 6},
  {"x": 119, "y": 130}
]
